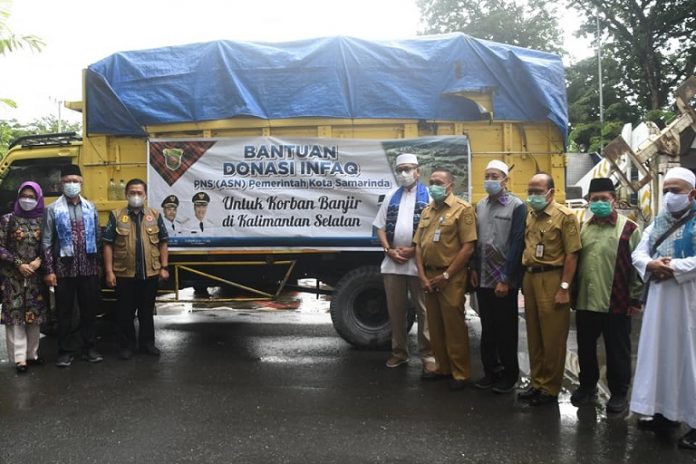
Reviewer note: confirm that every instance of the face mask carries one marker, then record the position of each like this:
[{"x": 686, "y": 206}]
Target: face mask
[
  {"x": 437, "y": 192},
  {"x": 72, "y": 189},
  {"x": 537, "y": 202},
  {"x": 493, "y": 187},
  {"x": 600, "y": 208},
  {"x": 136, "y": 201},
  {"x": 406, "y": 178},
  {"x": 27, "y": 204},
  {"x": 676, "y": 202}
]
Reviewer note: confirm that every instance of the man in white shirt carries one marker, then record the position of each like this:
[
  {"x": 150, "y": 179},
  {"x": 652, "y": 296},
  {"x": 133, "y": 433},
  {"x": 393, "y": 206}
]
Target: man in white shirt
[
  {"x": 396, "y": 223},
  {"x": 170, "y": 205}
]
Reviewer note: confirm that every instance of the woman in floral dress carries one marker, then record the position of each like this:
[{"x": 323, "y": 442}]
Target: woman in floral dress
[{"x": 23, "y": 301}]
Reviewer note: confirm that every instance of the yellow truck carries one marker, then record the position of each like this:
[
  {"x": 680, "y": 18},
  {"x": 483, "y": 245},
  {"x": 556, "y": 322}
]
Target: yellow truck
[{"x": 279, "y": 155}]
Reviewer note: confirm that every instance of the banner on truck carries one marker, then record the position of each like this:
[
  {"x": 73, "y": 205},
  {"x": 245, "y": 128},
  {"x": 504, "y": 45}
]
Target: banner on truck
[{"x": 292, "y": 192}]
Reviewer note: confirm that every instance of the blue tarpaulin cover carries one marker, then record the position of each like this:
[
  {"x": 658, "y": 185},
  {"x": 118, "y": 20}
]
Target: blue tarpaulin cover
[{"x": 335, "y": 77}]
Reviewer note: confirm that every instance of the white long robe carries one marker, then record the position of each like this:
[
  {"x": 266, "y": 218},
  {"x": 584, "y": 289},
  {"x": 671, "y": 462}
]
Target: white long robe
[{"x": 665, "y": 379}]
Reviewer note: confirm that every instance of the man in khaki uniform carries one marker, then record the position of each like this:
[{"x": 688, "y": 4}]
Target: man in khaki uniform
[
  {"x": 551, "y": 245},
  {"x": 444, "y": 243}
]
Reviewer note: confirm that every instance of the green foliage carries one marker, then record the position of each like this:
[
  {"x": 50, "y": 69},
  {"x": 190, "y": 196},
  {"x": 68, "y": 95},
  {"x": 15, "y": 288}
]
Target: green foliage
[
  {"x": 653, "y": 43},
  {"x": 583, "y": 103},
  {"x": 10, "y": 42},
  {"x": 11, "y": 130},
  {"x": 531, "y": 24}
]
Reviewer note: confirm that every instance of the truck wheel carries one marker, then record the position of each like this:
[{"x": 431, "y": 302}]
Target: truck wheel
[{"x": 359, "y": 309}]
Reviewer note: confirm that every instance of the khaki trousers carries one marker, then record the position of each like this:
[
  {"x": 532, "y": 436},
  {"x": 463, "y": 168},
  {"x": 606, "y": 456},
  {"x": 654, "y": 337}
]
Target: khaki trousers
[
  {"x": 397, "y": 288},
  {"x": 547, "y": 329},
  {"x": 449, "y": 334},
  {"x": 22, "y": 342}
]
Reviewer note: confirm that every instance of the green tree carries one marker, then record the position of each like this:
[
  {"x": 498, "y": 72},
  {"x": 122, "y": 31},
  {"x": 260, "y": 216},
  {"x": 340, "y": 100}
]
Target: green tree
[
  {"x": 653, "y": 41},
  {"x": 12, "y": 129},
  {"x": 10, "y": 42},
  {"x": 528, "y": 24},
  {"x": 583, "y": 103}
]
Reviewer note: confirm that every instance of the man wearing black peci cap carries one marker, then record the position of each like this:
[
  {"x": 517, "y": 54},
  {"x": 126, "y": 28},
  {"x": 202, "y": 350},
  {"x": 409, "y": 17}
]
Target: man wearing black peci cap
[
  {"x": 71, "y": 239},
  {"x": 609, "y": 292}
]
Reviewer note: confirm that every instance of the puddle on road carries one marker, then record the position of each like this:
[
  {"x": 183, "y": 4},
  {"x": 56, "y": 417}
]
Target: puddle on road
[{"x": 289, "y": 300}]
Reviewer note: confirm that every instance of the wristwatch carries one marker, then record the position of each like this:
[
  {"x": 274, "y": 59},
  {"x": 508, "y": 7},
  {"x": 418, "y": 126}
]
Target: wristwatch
[
  {"x": 565, "y": 285},
  {"x": 386, "y": 250},
  {"x": 445, "y": 275}
]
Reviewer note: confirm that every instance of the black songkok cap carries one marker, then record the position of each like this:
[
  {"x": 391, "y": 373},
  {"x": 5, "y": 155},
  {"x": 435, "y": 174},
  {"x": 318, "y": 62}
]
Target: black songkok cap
[
  {"x": 70, "y": 170},
  {"x": 601, "y": 184}
]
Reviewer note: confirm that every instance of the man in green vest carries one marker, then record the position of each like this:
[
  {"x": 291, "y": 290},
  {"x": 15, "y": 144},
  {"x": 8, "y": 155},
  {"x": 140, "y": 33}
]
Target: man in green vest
[
  {"x": 609, "y": 292},
  {"x": 135, "y": 259}
]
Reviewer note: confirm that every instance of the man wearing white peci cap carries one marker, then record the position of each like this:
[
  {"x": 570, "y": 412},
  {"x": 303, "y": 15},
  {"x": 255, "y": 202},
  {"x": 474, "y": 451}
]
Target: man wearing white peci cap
[
  {"x": 497, "y": 275},
  {"x": 664, "y": 387},
  {"x": 396, "y": 223}
]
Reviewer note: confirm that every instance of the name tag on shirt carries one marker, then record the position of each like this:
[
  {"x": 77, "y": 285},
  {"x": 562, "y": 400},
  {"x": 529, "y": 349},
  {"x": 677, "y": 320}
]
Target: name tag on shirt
[
  {"x": 539, "y": 252},
  {"x": 436, "y": 236}
]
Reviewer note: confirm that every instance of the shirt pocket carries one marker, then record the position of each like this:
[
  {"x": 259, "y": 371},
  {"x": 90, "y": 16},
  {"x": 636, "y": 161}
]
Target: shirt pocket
[
  {"x": 153, "y": 235},
  {"x": 121, "y": 238}
]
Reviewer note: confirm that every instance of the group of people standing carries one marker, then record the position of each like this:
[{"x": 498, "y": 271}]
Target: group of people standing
[
  {"x": 60, "y": 250},
  {"x": 437, "y": 246}
]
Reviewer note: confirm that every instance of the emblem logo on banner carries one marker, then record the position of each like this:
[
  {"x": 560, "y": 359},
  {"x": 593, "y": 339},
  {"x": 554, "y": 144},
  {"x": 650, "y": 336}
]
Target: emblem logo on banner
[{"x": 172, "y": 159}]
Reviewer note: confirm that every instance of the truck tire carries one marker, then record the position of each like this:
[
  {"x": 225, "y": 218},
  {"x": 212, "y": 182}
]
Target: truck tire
[{"x": 359, "y": 309}]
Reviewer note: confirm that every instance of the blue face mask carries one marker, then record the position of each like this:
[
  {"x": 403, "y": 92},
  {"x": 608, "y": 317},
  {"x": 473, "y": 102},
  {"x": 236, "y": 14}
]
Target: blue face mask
[
  {"x": 72, "y": 189},
  {"x": 600, "y": 208},
  {"x": 492, "y": 187},
  {"x": 437, "y": 192},
  {"x": 537, "y": 202}
]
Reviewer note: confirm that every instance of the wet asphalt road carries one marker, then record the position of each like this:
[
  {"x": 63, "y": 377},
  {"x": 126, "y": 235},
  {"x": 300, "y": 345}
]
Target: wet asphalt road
[{"x": 282, "y": 387}]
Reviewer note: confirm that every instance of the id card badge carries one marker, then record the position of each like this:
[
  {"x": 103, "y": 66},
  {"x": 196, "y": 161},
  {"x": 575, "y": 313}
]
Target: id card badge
[
  {"x": 436, "y": 236},
  {"x": 539, "y": 253}
]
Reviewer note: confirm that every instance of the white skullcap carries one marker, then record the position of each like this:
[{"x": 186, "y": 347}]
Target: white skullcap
[
  {"x": 406, "y": 158},
  {"x": 499, "y": 165},
  {"x": 682, "y": 174}
]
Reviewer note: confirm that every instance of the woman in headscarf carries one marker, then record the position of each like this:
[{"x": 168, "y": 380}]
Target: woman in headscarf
[{"x": 23, "y": 302}]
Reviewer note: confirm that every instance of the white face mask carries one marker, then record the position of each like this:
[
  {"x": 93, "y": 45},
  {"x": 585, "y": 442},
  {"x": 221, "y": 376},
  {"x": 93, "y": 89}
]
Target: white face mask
[
  {"x": 72, "y": 189},
  {"x": 136, "y": 201},
  {"x": 27, "y": 204},
  {"x": 406, "y": 178},
  {"x": 675, "y": 202}
]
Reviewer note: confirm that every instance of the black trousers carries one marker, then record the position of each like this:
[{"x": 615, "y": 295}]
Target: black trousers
[
  {"x": 71, "y": 335},
  {"x": 616, "y": 330},
  {"x": 499, "y": 332},
  {"x": 135, "y": 295}
]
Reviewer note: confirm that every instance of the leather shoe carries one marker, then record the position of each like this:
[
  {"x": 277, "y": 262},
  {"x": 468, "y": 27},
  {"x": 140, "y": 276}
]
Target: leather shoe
[
  {"x": 456, "y": 384},
  {"x": 543, "y": 398},
  {"x": 21, "y": 368},
  {"x": 688, "y": 441},
  {"x": 151, "y": 350},
  {"x": 656, "y": 422},
  {"x": 485, "y": 382},
  {"x": 582, "y": 393},
  {"x": 617, "y": 404},
  {"x": 433, "y": 375},
  {"x": 528, "y": 394},
  {"x": 36, "y": 362},
  {"x": 504, "y": 386}
]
